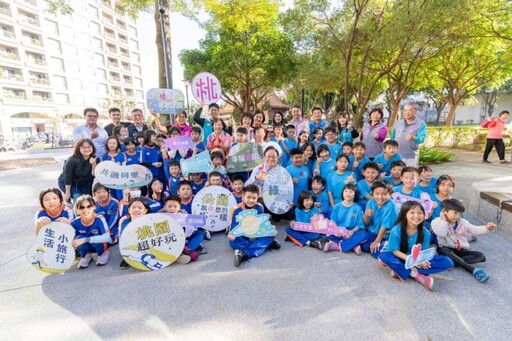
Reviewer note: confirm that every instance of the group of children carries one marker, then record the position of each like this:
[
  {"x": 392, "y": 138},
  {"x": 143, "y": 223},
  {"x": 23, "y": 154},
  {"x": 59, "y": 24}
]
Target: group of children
[{"x": 331, "y": 175}]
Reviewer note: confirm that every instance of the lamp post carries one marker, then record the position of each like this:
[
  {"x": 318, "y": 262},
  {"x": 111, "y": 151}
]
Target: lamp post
[
  {"x": 302, "y": 81},
  {"x": 186, "y": 82},
  {"x": 168, "y": 71}
]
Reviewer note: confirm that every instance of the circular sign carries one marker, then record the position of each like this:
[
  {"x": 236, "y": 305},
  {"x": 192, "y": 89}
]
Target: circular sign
[
  {"x": 214, "y": 202},
  {"x": 206, "y": 88},
  {"x": 278, "y": 190},
  {"x": 152, "y": 242},
  {"x": 52, "y": 251}
]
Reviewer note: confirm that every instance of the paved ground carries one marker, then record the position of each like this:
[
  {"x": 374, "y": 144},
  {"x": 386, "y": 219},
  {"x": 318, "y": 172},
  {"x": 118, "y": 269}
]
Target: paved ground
[{"x": 292, "y": 294}]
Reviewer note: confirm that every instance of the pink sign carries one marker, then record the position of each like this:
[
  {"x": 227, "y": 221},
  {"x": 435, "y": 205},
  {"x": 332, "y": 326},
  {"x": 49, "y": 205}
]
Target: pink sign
[
  {"x": 206, "y": 88},
  {"x": 179, "y": 142},
  {"x": 322, "y": 225},
  {"x": 425, "y": 201}
]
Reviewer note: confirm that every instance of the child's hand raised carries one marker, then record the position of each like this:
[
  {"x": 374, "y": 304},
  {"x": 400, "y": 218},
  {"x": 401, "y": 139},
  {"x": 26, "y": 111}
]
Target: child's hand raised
[
  {"x": 350, "y": 179},
  {"x": 491, "y": 226}
]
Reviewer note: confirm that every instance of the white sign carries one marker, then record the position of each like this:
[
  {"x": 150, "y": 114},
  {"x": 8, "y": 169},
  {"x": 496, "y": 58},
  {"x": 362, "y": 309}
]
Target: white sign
[
  {"x": 152, "y": 242},
  {"x": 214, "y": 202},
  {"x": 278, "y": 190},
  {"x": 115, "y": 176},
  {"x": 52, "y": 251},
  {"x": 206, "y": 88}
]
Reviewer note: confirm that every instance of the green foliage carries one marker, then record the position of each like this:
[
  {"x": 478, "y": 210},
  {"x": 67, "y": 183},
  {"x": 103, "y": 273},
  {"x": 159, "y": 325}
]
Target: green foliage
[
  {"x": 429, "y": 156},
  {"x": 457, "y": 137},
  {"x": 245, "y": 49}
]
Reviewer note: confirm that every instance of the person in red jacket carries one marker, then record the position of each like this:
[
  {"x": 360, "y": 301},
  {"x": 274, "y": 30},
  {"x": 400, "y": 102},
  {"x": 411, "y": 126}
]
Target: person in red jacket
[{"x": 495, "y": 136}]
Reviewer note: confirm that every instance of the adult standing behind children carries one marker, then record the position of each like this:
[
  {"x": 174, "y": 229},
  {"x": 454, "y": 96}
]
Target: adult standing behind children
[
  {"x": 409, "y": 132},
  {"x": 207, "y": 122},
  {"x": 91, "y": 130},
  {"x": 137, "y": 126},
  {"x": 115, "y": 117},
  {"x": 495, "y": 136},
  {"x": 298, "y": 121},
  {"x": 316, "y": 121},
  {"x": 374, "y": 133}
]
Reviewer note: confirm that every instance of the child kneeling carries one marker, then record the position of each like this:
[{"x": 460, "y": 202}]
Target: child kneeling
[{"x": 247, "y": 248}]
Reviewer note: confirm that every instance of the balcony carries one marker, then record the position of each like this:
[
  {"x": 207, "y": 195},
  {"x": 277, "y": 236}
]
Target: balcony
[
  {"x": 11, "y": 76},
  {"x": 116, "y": 79},
  {"x": 126, "y": 67},
  {"x": 35, "y": 42},
  {"x": 108, "y": 21},
  {"x": 5, "y": 11},
  {"x": 15, "y": 94},
  {"x": 127, "y": 80},
  {"x": 40, "y": 81},
  {"x": 7, "y": 34},
  {"x": 44, "y": 98},
  {"x": 31, "y": 2},
  {"x": 28, "y": 20},
  {"x": 121, "y": 25},
  {"x": 125, "y": 54},
  {"x": 9, "y": 55},
  {"x": 110, "y": 36},
  {"x": 123, "y": 40},
  {"x": 38, "y": 62}
]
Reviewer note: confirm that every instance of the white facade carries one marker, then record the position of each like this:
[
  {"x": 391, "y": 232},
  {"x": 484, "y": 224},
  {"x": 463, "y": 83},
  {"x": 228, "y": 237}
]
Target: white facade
[{"x": 53, "y": 66}]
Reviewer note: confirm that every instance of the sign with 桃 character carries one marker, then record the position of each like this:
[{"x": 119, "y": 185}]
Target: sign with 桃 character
[
  {"x": 152, "y": 242},
  {"x": 206, "y": 88}
]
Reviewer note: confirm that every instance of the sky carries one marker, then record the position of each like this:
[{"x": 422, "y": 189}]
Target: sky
[{"x": 185, "y": 34}]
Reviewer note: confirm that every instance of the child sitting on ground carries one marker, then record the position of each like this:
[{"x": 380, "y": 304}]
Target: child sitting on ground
[
  {"x": 451, "y": 230},
  {"x": 247, "y": 248}
]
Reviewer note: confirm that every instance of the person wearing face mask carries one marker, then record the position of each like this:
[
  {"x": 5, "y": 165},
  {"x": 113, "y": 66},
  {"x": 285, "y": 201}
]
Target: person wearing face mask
[{"x": 409, "y": 132}]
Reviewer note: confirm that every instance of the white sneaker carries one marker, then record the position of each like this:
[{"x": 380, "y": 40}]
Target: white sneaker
[
  {"x": 103, "y": 259},
  {"x": 208, "y": 235},
  {"x": 84, "y": 261}
]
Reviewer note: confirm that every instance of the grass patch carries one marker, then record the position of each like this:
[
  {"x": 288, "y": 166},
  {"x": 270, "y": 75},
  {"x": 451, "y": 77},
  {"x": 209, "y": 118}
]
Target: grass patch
[{"x": 430, "y": 156}]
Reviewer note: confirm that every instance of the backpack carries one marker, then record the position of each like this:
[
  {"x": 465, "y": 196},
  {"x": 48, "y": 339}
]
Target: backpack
[{"x": 488, "y": 123}]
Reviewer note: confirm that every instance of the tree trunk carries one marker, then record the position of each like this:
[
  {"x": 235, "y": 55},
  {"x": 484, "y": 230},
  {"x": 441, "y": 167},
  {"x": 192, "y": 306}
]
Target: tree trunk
[
  {"x": 162, "y": 82},
  {"x": 451, "y": 114},
  {"x": 394, "y": 115}
]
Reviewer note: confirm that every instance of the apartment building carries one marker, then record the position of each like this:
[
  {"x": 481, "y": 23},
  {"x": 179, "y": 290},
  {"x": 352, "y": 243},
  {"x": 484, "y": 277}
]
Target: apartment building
[{"x": 52, "y": 66}]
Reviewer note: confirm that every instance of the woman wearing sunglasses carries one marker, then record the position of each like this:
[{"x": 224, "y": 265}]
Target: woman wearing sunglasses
[{"x": 91, "y": 233}]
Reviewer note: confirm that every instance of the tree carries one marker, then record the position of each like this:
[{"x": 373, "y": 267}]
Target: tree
[
  {"x": 376, "y": 43},
  {"x": 459, "y": 72},
  {"x": 245, "y": 49}
]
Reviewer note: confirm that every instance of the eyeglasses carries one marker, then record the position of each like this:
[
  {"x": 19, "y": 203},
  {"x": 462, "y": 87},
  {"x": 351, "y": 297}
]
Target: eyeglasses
[{"x": 84, "y": 207}]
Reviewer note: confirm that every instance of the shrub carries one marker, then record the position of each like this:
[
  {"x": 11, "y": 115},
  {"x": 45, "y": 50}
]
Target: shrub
[{"x": 429, "y": 156}]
